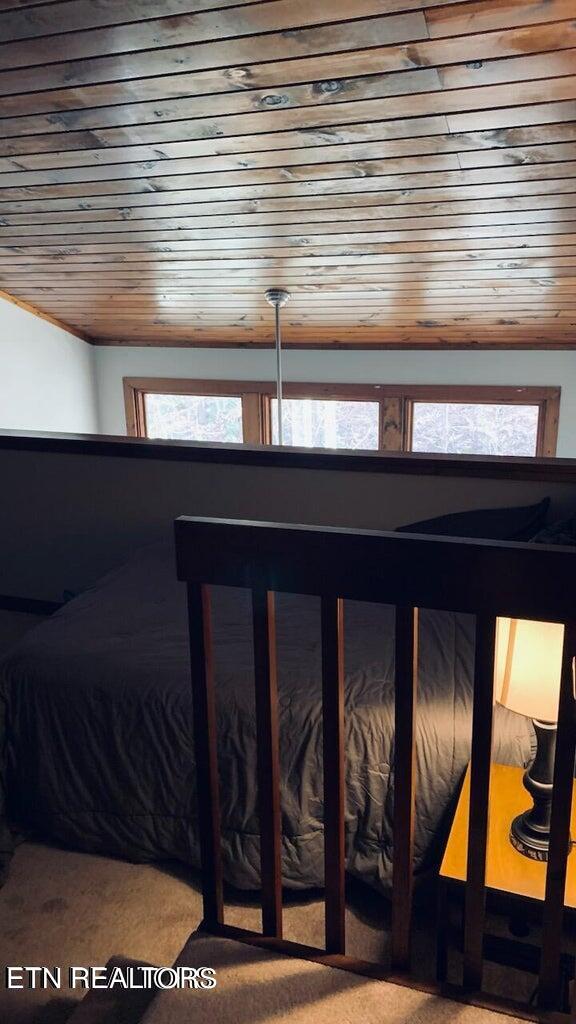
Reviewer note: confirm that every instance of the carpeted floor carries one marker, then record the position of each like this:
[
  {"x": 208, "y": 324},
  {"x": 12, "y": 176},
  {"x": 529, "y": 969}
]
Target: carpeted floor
[
  {"x": 64, "y": 909},
  {"x": 61, "y": 908},
  {"x": 256, "y": 987}
]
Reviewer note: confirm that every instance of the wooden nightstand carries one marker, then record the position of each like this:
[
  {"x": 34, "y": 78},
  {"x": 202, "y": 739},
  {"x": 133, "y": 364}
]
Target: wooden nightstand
[{"x": 515, "y": 884}]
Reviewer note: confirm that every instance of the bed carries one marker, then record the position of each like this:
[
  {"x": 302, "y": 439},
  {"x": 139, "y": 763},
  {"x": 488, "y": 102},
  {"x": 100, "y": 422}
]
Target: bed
[{"x": 97, "y": 738}]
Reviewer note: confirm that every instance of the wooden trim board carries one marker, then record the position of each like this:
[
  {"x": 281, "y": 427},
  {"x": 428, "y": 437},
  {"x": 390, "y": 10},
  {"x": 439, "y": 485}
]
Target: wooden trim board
[{"x": 29, "y": 308}]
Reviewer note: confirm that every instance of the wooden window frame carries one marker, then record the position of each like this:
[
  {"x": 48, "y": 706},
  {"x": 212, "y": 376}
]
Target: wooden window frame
[{"x": 396, "y": 403}]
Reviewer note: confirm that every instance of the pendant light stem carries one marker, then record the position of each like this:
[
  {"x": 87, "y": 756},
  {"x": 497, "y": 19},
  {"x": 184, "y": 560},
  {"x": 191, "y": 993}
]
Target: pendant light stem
[
  {"x": 278, "y": 297},
  {"x": 279, "y": 373}
]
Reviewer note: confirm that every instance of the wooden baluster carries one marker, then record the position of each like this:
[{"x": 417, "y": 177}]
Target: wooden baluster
[
  {"x": 205, "y": 749},
  {"x": 268, "y": 760},
  {"x": 332, "y": 627},
  {"x": 475, "y": 893},
  {"x": 406, "y": 681},
  {"x": 553, "y": 915}
]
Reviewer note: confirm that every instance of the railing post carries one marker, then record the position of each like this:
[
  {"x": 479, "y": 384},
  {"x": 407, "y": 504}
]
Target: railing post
[
  {"x": 475, "y": 892},
  {"x": 205, "y": 751},
  {"x": 268, "y": 760},
  {"x": 332, "y": 629},
  {"x": 406, "y": 681},
  {"x": 553, "y": 916}
]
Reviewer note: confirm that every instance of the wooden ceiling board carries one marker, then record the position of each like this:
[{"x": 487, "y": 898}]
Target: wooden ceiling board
[
  {"x": 358, "y": 166},
  {"x": 245, "y": 239},
  {"x": 533, "y": 137},
  {"x": 341, "y": 180},
  {"x": 523, "y": 45},
  {"x": 81, "y": 14},
  {"x": 207, "y": 26},
  {"x": 477, "y": 108},
  {"x": 407, "y": 169},
  {"x": 547, "y": 208},
  {"x": 311, "y": 255},
  {"x": 8, "y": 5},
  {"x": 177, "y": 60}
]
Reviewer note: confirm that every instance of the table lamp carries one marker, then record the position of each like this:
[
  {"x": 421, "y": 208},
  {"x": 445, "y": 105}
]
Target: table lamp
[{"x": 527, "y": 673}]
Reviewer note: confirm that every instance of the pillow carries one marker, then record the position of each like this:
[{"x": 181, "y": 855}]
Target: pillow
[
  {"x": 561, "y": 532},
  {"x": 519, "y": 523}
]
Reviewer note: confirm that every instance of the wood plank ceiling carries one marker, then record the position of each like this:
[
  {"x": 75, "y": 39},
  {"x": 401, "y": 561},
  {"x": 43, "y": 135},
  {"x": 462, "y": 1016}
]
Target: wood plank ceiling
[{"x": 407, "y": 168}]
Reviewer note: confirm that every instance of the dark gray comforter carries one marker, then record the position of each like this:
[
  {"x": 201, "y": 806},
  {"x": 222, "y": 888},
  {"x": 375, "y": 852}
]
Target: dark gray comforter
[{"x": 97, "y": 745}]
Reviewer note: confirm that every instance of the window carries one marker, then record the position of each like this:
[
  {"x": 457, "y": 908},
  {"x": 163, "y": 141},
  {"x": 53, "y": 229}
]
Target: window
[
  {"x": 475, "y": 428},
  {"x": 468, "y": 420},
  {"x": 327, "y": 423},
  {"x": 194, "y": 417}
]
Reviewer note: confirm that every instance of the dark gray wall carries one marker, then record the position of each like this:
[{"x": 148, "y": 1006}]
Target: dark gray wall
[{"x": 66, "y": 518}]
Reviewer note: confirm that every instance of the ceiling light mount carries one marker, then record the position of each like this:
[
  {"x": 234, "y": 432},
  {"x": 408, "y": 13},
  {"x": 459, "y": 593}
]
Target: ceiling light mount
[{"x": 277, "y": 296}]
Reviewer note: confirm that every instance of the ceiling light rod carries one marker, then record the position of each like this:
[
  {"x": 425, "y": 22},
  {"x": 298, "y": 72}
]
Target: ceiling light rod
[{"x": 278, "y": 297}]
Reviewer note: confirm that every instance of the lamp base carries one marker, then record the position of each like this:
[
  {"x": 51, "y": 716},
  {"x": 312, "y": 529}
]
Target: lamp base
[
  {"x": 530, "y": 831},
  {"x": 527, "y": 840}
]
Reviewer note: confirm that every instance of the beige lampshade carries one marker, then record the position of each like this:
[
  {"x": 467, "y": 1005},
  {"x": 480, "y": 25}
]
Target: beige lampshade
[{"x": 527, "y": 667}]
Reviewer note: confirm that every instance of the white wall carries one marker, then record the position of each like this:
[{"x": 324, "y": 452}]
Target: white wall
[
  {"x": 46, "y": 375},
  {"x": 554, "y": 368}
]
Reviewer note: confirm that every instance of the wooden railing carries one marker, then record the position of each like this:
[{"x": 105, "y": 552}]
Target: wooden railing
[{"x": 485, "y": 578}]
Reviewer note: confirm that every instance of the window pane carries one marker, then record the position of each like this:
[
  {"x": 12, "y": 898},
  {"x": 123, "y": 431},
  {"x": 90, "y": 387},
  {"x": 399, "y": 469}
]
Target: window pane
[
  {"x": 194, "y": 417},
  {"x": 474, "y": 429},
  {"x": 315, "y": 423}
]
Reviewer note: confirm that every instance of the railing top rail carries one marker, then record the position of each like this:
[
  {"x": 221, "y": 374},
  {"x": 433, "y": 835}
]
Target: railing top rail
[{"x": 459, "y": 574}]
